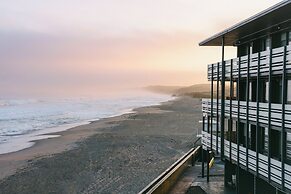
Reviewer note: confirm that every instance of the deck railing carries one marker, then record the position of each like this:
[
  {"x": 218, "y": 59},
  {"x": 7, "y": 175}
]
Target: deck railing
[
  {"x": 275, "y": 165},
  {"x": 274, "y": 56},
  {"x": 276, "y": 111}
]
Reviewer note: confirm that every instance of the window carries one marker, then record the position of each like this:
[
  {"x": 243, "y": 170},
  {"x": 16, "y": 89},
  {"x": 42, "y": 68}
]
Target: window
[
  {"x": 267, "y": 91},
  {"x": 276, "y": 90},
  {"x": 252, "y": 137},
  {"x": 253, "y": 91},
  {"x": 242, "y": 134},
  {"x": 280, "y": 39},
  {"x": 233, "y": 136},
  {"x": 250, "y": 90},
  {"x": 259, "y": 45},
  {"x": 288, "y": 148},
  {"x": 265, "y": 141},
  {"x": 268, "y": 43},
  {"x": 243, "y": 50},
  {"x": 234, "y": 90},
  {"x": 242, "y": 90},
  {"x": 289, "y": 91},
  {"x": 262, "y": 140},
  {"x": 283, "y": 39},
  {"x": 275, "y": 144}
]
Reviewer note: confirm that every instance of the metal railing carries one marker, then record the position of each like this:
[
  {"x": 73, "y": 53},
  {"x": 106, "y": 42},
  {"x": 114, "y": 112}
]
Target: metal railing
[
  {"x": 275, "y": 165},
  {"x": 276, "y": 111},
  {"x": 276, "y": 54}
]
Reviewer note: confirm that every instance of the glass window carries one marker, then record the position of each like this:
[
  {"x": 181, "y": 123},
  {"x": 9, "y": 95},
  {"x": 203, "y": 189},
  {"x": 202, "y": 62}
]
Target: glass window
[
  {"x": 289, "y": 91},
  {"x": 268, "y": 43},
  {"x": 243, "y": 49},
  {"x": 250, "y": 90},
  {"x": 263, "y": 45},
  {"x": 226, "y": 124},
  {"x": 234, "y": 90},
  {"x": 288, "y": 148},
  {"x": 283, "y": 39},
  {"x": 267, "y": 92},
  {"x": 275, "y": 144},
  {"x": 258, "y": 45},
  {"x": 265, "y": 140}
]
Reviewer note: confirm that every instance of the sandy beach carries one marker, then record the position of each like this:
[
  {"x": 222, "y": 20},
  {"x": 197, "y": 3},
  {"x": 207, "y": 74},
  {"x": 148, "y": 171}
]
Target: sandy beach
[{"x": 115, "y": 155}]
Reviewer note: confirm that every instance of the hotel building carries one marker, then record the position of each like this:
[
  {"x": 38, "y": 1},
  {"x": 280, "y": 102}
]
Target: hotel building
[{"x": 247, "y": 120}]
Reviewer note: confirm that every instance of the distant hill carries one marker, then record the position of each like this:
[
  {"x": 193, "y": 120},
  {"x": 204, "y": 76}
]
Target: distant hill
[
  {"x": 195, "y": 91},
  {"x": 164, "y": 89}
]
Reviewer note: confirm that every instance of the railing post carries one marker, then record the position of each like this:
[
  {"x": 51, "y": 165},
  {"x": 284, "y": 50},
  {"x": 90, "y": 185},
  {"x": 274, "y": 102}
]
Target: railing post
[
  {"x": 207, "y": 160},
  {"x": 238, "y": 124},
  {"x": 283, "y": 132},
  {"x": 269, "y": 112},
  {"x": 258, "y": 112},
  {"x": 230, "y": 109},
  {"x": 222, "y": 107},
  {"x": 247, "y": 110},
  {"x": 211, "y": 115},
  {"x": 202, "y": 160},
  {"x": 217, "y": 108}
]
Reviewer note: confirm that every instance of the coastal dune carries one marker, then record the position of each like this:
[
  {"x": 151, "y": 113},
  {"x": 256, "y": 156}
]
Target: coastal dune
[{"x": 115, "y": 155}]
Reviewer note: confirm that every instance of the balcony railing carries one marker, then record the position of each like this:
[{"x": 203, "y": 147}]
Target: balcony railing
[
  {"x": 263, "y": 170},
  {"x": 276, "y": 111},
  {"x": 277, "y": 59}
]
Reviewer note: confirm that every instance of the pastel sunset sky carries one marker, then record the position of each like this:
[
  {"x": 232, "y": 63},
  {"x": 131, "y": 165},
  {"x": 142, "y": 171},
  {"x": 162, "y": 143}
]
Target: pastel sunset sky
[{"x": 86, "y": 45}]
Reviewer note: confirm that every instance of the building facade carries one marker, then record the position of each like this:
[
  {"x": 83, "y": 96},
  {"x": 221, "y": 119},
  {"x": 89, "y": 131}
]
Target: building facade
[{"x": 247, "y": 120}]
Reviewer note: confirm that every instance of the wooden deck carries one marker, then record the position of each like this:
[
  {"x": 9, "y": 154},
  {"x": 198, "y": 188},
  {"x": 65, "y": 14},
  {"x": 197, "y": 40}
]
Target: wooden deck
[{"x": 191, "y": 180}]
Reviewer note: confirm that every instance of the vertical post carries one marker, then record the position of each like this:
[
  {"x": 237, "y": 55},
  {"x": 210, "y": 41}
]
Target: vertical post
[
  {"x": 283, "y": 132},
  {"x": 208, "y": 126},
  {"x": 238, "y": 124},
  {"x": 230, "y": 109},
  {"x": 247, "y": 108},
  {"x": 211, "y": 114},
  {"x": 257, "y": 114},
  {"x": 217, "y": 108},
  {"x": 207, "y": 161},
  {"x": 203, "y": 123},
  {"x": 222, "y": 101},
  {"x": 202, "y": 160},
  {"x": 255, "y": 185},
  {"x": 269, "y": 111}
]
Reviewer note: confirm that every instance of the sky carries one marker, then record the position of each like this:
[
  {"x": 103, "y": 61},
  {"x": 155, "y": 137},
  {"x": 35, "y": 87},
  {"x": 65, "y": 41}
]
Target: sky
[{"x": 98, "y": 45}]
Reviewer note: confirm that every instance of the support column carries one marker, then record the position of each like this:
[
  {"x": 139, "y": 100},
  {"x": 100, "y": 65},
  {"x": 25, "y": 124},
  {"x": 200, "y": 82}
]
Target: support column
[
  {"x": 207, "y": 163},
  {"x": 247, "y": 110},
  {"x": 238, "y": 126},
  {"x": 269, "y": 111},
  {"x": 283, "y": 132},
  {"x": 230, "y": 128},
  {"x": 208, "y": 126},
  {"x": 202, "y": 162},
  {"x": 222, "y": 102},
  {"x": 217, "y": 108},
  {"x": 258, "y": 113},
  {"x": 211, "y": 114}
]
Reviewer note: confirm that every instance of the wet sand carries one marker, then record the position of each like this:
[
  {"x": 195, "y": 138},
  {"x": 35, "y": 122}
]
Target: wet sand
[{"x": 114, "y": 155}]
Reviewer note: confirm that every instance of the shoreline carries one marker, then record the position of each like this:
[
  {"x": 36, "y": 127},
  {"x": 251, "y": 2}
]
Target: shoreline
[
  {"x": 25, "y": 141},
  {"x": 29, "y": 152},
  {"x": 110, "y": 131}
]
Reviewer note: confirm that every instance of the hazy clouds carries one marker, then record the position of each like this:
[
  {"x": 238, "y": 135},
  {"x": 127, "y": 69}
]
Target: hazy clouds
[{"x": 114, "y": 44}]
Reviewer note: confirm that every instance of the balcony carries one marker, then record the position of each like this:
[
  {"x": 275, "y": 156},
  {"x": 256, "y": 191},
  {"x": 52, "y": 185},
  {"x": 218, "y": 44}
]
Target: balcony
[
  {"x": 277, "y": 59},
  {"x": 263, "y": 165},
  {"x": 276, "y": 112}
]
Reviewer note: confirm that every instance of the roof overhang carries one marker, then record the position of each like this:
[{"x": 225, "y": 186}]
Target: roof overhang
[{"x": 272, "y": 19}]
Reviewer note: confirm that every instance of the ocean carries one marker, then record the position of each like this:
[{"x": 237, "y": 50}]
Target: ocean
[{"x": 22, "y": 121}]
